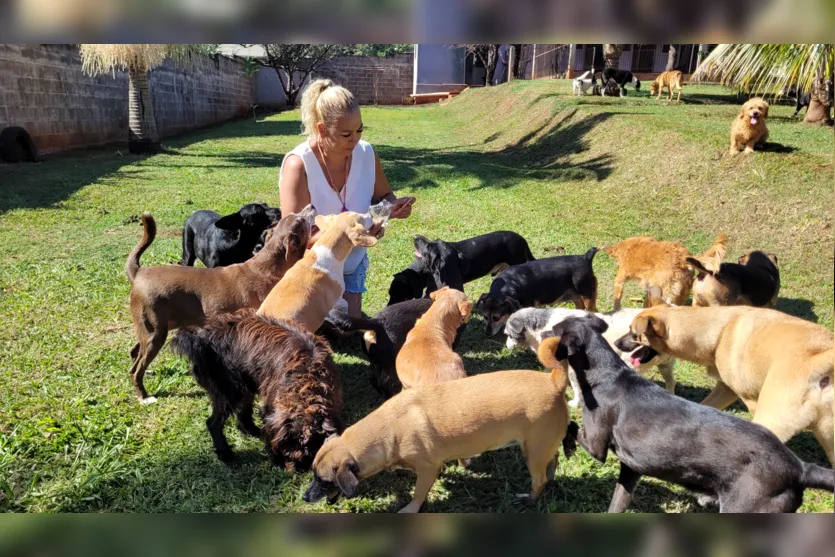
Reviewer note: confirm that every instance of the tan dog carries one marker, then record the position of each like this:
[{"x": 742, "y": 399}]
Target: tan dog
[
  {"x": 427, "y": 356},
  {"x": 749, "y": 130},
  {"x": 163, "y": 298},
  {"x": 779, "y": 365},
  {"x": 668, "y": 80},
  {"x": 658, "y": 263},
  {"x": 420, "y": 429},
  {"x": 313, "y": 287}
]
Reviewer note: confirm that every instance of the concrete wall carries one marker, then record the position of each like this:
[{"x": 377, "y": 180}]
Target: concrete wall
[{"x": 43, "y": 89}]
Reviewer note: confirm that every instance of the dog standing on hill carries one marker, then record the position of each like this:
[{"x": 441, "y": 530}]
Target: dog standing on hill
[{"x": 583, "y": 83}]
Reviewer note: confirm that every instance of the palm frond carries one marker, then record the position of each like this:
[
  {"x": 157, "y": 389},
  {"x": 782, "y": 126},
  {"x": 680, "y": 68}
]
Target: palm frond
[{"x": 102, "y": 58}]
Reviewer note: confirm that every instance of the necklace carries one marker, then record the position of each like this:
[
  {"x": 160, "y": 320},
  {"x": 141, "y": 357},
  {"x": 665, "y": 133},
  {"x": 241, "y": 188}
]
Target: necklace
[{"x": 343, "y": 197}]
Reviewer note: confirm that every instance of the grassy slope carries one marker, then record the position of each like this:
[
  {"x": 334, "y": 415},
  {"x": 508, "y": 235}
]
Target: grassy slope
[{"x": 566, "y": 172}]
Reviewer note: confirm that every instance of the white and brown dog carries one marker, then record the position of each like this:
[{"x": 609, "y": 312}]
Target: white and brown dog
[{"x": 315, "y": 284}]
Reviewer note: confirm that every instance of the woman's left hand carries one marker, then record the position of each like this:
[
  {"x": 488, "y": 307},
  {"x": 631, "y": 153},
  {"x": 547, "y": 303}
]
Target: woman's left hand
[{"x": 402, "y": 208}]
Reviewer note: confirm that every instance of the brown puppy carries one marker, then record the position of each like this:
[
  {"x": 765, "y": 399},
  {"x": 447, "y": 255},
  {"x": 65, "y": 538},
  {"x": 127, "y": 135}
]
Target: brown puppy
[
  {"x": 749, "y": 130},
  {"x": 168, "y": 297},
  {"x": 657, "y": 263},
  {"x": 313, "y": 287},
  {"x": 420, "y": 429},
  {"x": 779, "y": 365},
  {"x": 427, "y": 356},
  {"x": 668, "y": 80},
  {"x": 754, "y": 281}
]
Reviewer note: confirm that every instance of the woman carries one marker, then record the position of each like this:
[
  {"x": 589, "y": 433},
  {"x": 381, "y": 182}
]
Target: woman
[{"x": 336, "y": 171}]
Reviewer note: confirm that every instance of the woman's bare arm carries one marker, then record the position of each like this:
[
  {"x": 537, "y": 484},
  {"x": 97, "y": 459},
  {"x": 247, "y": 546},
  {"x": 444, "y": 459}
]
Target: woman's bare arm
[{"x": 382, "y": 190}]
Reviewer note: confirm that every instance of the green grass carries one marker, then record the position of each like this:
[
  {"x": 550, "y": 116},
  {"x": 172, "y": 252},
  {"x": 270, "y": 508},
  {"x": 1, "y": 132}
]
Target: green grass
[{"x": 568, "y": 173}]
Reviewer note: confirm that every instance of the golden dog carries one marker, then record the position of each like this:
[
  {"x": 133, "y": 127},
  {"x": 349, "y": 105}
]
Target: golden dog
[
  {"x": 779, "y": 365},
  {"x": 749, "y": 130},
  {"x": 669, "y": 80},
  {"x": 420, "y": 429}
]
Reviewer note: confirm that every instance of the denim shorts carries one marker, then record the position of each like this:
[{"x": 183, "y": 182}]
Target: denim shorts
[{"x": 355, "y": 282}]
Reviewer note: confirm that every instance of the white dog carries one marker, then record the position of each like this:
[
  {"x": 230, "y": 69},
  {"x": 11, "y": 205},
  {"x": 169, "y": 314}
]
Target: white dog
[
  {"x": 526, "y": 326},
  {"x": 583, "y": 83}
]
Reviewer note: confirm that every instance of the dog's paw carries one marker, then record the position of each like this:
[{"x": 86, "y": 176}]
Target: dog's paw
[
  {"x": 526, "y": 499},
  {"x": 705, "y": 500},
  {"x": 411, "y": 508},
  {"x": 148, "y": 400},
  {"x": 226, "y": 456}
]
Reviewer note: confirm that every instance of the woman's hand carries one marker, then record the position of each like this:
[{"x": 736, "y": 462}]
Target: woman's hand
[
  {"x": 402, "y": 208},
  {"x": 377, "y": 230}
]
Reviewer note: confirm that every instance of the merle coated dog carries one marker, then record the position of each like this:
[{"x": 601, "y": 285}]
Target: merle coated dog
[
  {"x": 219, "y": 241},
  {"x": 541, "y": 282},
  {"x": 655, "y": 433},
  {"x": 384, "y": 336},
  {"x": 439, "y": 263},
  {"x": 622, "y": 78}
]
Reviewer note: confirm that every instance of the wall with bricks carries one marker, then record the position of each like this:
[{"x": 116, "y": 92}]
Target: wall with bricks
[
  {"x": 43, "y": 89},
  {"x": 372, "y": 79}
]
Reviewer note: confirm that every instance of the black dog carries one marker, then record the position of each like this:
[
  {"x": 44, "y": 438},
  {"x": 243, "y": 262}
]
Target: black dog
[
  {"x": 622, "y": 78},
  {"x": 219, "y": 241},
  {"x": 658, "y": 434},
  {"x": 541, "y": 282},
  {"x": 439, "y": 263},
  {"x": 755, "y": 280},
  {"x": 804, "y": 98},
  {"x": 384, "y": 336}
]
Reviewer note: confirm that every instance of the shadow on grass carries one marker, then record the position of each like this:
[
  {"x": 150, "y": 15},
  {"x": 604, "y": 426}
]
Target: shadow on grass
[{"x": 797, "y": 307}]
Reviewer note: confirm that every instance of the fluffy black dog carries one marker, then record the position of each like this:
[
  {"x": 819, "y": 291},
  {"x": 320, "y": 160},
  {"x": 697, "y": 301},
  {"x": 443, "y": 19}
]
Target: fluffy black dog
[
  {"x": 658, "y": 434},
  {"x": 219, "y": 241}
]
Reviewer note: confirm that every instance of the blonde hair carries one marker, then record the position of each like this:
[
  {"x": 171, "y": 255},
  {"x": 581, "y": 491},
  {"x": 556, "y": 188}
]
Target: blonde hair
[{"x": 324, "y": 101}]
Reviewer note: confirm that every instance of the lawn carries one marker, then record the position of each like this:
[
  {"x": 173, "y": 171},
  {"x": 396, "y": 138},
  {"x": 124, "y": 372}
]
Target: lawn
[{"x": 568, "y": 173}]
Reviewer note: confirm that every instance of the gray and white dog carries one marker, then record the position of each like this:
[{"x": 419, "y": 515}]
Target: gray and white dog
[
  {"x": 526, "y": 327},
  {"x": 583, "y": 83}
]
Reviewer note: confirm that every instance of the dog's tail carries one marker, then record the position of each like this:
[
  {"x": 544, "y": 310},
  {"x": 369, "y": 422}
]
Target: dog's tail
[
  {"x": 589, "y": 255},
  {"x": 345, "y": 323},
  {"x": 706, "y": 267},
  {"x": 547, "y": 354},
  {"x": 528, "y": 254},
  {"x": 817, "y": 477},
  {"x": 149, "y": 227}
]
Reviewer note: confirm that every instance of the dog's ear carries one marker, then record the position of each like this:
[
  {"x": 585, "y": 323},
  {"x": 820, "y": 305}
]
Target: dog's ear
[
  {"x": 435, "y": 293},
  {"x": 513, "y": 303},
  {"x": 230, "y": 222},
  {"x": 323, "y": 222},
  {"x": 569, "y": 345},
  {"x": 466, "y": 309},
  {"x": 346, "y": 477},
  {"x": 772, "y": 258},
  {"x": 292, "y": 244},
  {"x": 765, "y": 107},
  {"x": 480, "y": 301},
  {"x": 360, "y": 237},
  {"x": 649, "y": 326}
]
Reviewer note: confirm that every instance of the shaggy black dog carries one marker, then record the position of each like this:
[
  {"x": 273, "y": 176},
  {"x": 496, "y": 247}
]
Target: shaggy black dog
[{"x": 237, "y": 356}]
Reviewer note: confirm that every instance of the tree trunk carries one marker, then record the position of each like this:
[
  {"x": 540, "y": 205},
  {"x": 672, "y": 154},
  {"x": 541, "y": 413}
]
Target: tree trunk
[
  {"x": 820, "y": 107},
  {"x": 143, "y": 138},
  {"x": 492, "y": 60},
  {"x": 671, "y": 59},
  {"x": 517, "y": 54},
  {"x": 611, "y": 55}
]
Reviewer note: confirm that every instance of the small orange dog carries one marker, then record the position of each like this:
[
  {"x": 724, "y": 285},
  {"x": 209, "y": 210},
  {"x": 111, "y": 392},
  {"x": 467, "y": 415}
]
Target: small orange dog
[
  {"x": 669, "y": 80},
  {"x": 748, "y": 130},
  {"x": 427, "y": 355},
  {"x": 657, "y": 263}
]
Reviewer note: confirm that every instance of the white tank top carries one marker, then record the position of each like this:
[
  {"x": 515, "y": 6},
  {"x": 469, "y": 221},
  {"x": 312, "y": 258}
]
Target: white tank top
[{"x": 360, "y": 185}]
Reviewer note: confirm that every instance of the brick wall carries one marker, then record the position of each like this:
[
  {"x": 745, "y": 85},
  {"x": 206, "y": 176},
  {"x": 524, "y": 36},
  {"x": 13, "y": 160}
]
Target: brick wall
[
  {"x": 43, "y": 89},
  {"x": 372, "y": 80}
]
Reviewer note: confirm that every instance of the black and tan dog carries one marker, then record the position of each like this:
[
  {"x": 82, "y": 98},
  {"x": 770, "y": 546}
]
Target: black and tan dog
[
  {"x": 539, "y": 283},
  {"x": 420, "y": 429},
  {"x": 754, "y": 281},
  {"x": 655, "y": 433}
]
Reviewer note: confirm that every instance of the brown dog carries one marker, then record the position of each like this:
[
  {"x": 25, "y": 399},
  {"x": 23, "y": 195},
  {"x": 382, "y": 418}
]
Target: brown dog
[
  {"x": 754, "y": 281},
  {"x": 313, "y": 287},
  {"x": 668, "y": 80},
  {"x": 779, "y": 365},
  {"x": 658, "y": 263},
  {"x": 168, "y": 297},
  {"x": 420, "y": 429},
  {"x": 749, "y": 130},
  {"x": 427, "y": 356}
]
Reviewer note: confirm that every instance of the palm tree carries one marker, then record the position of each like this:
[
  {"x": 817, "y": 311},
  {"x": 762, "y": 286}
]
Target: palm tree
[
  {"x": 611, "y": 55},
  {"x": 671, "y": 59},
  {"x": 137, "y": 60},
  {"x": 771, "y": 69}
]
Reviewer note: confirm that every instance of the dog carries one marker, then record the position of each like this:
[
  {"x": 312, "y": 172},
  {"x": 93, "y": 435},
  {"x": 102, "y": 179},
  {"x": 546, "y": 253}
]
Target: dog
[
  {"x": 612, "y": 89},
  {"x": 622, "y": 78},
  {"x": 781, "y": 366},
  {"x": 315, "y": 285},
  {"x": 220, "y": 241},
  {"x": 671, "y": 80},
  {"x": 454, "y": 264},
  {"x": 754, "y": 281},
  {"x": 749, "y": 129},
  {"x": 583, "y": 83},
  {"x": 421, "y": 429},
  {"x": 427, "y": 356},
  {"x": 542, "y": 282},
  {"x": 169, "y": 297},
  {"x": 712, "y": 453},
  {"x": 384, "y": 335},
  {"x": 659, "y": 263},
  {"x": 235, "y": 357},
  {"x": 528, "y": 326}
]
